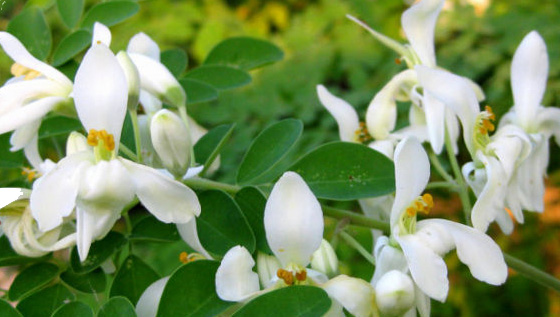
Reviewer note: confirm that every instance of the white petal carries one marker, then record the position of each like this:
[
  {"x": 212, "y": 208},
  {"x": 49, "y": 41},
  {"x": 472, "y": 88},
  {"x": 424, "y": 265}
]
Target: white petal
[
  {"x": 412, "y": 172},
  {"x": 9, "y": 195},
  {"x": 435, "y": 120},
  {"x": 25, "y": 137},
  {"x": 172, "y": 142},
  {"x": 92, "y": 225},
  {"x": 188, "y": 233},
  {"x": 27, "y": 114},
  {"x": 511, "y": 145},
  {"x": 293, "y": 220},
  {"x": 165, "y": 198},
  {"x": 150, "y": 103},
  {"x": 20, "y": 93},
  {"x": 267, "y": 268},
  {"x": 143, "y": 44},
  {"x": 529, "y": 71},
  {"x": 385, "y": 147},
  {"x": 426, "y": 267},
  {"x": 419, "y": 23},
  {"x": 387, "y": 258},
  {"x": 32, "y": 155},
  {"x": 356, "y": 295},
  {"x": 477, "y": 250},
  {"x": 394, "y": 293},
  {"x": 345, "y": 115},
  {"x": 423, "y": 304},
  {"x": 13, "y": 47},
  {"x": 101, "y": 92},
  {"x": 76, "y": 142},
  {"x": 148, "y": 303},
  {"x": 548, "y": 122},
  {"x": 235, "y": 280},
  {"x": 101, "y": 34}
]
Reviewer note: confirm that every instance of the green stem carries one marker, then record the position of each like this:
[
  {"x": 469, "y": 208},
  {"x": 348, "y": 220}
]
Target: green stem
[
  {"x": 533, "y": 273},
  {"x": 356, "y": 245},
  {"x": 450, "y": 185},
  {"x": 128, "y": 152},
  {"x": 463, "y": 188},
  {"x": 203, "y": 183},
  {"x": 136, "y": 130},
  {"x": 439, "y": 168},
  {"x": 356, "y": 219}
]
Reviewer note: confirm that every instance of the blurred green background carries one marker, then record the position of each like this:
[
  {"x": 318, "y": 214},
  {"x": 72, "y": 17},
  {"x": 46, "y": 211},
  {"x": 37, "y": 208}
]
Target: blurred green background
[{"x": 475, "y": 38}]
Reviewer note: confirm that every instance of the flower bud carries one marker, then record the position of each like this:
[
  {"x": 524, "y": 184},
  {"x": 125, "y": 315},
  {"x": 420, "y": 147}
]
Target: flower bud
[
  {"x": 394, "y": 293},
  {"x": 76, "y": 142},
  {"x": 267, "y": 266},
  {"x": 132, "y": 79},
  {"x": 172, "y": 142},
  {"x": 324, "y": 260}
]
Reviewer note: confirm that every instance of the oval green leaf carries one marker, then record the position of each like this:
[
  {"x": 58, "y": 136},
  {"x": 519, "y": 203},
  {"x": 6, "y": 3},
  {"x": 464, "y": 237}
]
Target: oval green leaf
[
  {"x": 70, "y": 11},
  {"x": 8, "y": 159},
  {"x": 99, "y": 252},
  {"x": 209, "y": 146},
  {"x": 133, "y": 277},
  {"x": 191, "y": 291},
  {"x": 151, "y": 229},
  {"x": 221, "y": 224},
  {"x": 268, "y": 149},
  {"x": 220, "y": 77},
  {"x": 244, "y": 52},
  {"x": 198, "y": 91},
  {"x": 6, "y": 310},
  {"x": 110, "y": 13},
  {"x": 57, "y": 125},
  {"x": 346, "y": 171},
  {"x": 252, "y": 202},
  {"x": 290, "y": 301},
  {"x": 9, "y": 257},
  {"x": 45, "y": 302},
  {"x": 31, "y": 279},
  {"x": 74, "y": 309},
  {"x": 92, "y": 282},
  {"x": 175, "y": 60},
  {"x": 31, "y": 28},
  {"x": 117, "y": 307},
  {"x": 70, "y": 46}
]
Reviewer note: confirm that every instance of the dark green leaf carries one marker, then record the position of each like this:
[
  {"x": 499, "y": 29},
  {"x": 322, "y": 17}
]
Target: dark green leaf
[
  {"x": 290, "y": 302},
  {"x": 244, "y": 52},
  {"x": 252, "y": 203},
  {"x": 9, "y": 159},
  {"x": 58, "y": 125},
  {"x": 70, "y": 11},
  {"x": 74, "y": 309},
  {"x": 92, "y": 282},
  {"x": 117, "y": 307},
  {"x": 220, "y": 77},
  {"x": 346, "y": 171},
  {"x": 32, "y": 279},
  {"x": 45, "y": 302},
  {"x": 267, "y": 150},
  {"x": 31, "y": 28},
  {"x": 221, "y": 225},
  {"x": 175, "y": 60},
  {"x": 152, "y": 229},
  {"x": 110, "y": 13},
  {"x": 9, "y": 257},
  {"x": 99, "y": 252},
  {"x": 209, "y": 146},
  {"x": 198, "y": 91},
  {"x": 70, "y": 46},
  {"x": 69, "y": 69},
  {"x": 6, "y": 310},
  {"x": 133, "y": 277},
  {"x": 191, "y": 291}
]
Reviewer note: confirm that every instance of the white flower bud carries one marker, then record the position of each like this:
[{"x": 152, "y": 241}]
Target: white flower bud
[
  {"x": 394, "y": 293},
  {"x": 76, "y": 142},
  {"x": 324, "y": 260},
  {"x": 132, "y": 79},
  {"x": 267, "y": 266},
  {"x": 172, "y": 142}
]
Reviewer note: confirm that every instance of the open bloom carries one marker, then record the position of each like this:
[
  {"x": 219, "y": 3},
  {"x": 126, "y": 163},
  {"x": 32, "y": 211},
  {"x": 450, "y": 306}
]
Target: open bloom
[{"x": 95, "y": 181}]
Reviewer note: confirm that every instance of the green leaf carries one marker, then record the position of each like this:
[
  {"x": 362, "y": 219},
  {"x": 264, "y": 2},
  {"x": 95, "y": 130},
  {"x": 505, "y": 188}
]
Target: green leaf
[
  {"x": 45, "y": 302},
  {"x": 31, "y": 28},
  {"x": 220, "y": 77},
  {"x": 133, "y": 277},
  {"x": 221, "y": 225},
  {"x": 117, "y": 307},
  {"x": 92, "y": 282},
  {"x": 70, "y": 46},
  {"x": 252, "y": 202},
  {"x": 152, "y": 229},
  {"x": 32, "y": 279},
  {"x": 346, "y": 171},
  {"x": 6, "y": 310},
  {"x": 57, "y": 125},
  {"x": 69, "y": 69},
  {"x": 191, "y": 291},
  {"x": 9, "y": 159},
  {"x": 198, "y": 91},
  {"x": 74, "y": 309},
  {"x": 290, "y": 302},
  {"x": 109, "y": 13},
  {"x": 70, "y": 11},
  {"x": 99, "y": 252},
  {"x": 175, "y": 60},
  {"x": 9, "y": 257},
  {"x": 268, "y": 149},
  {"x": 209, "y": 146},
  {"x": 244, "y": 52}
]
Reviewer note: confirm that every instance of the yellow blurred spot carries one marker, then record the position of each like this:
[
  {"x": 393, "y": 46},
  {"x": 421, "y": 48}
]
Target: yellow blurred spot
[{"x": 19, "y": 70}]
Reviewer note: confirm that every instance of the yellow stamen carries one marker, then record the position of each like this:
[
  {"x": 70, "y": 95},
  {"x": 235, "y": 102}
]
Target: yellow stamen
[
  {"x": 19, "y": 70},
  {"x": 184, "y": 257},
  {"x": 95, "y": 136},
  {"x": 301, "y": 276},
  {"x": 398, "y": 61},
  {"x": 362, "y": 135},
  {"x": 285, "y": 275},
  {"x": 30, "y": 174}
]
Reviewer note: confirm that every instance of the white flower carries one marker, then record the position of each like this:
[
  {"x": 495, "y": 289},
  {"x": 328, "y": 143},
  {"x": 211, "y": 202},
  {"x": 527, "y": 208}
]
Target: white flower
[{"x": 96, "y": 182}]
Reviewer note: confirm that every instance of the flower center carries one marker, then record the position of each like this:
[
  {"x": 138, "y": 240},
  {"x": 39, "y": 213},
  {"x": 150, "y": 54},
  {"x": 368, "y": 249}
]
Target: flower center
[
  {"x": 103, "y": 144},
  {"x": 29, "y": 173},
  {"x": 19, "y": 70},
  {"x": 297, "y": 277},
  {"x": 362, "y": 135},
  {"x": 483, "y": 125},
  {"x": 423, "y": 204},
  {"x": 185, "y": 258}
]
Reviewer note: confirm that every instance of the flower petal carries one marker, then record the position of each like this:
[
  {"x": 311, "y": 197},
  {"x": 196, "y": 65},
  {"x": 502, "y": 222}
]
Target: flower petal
[
  {"x": 529, "y": 71},
  {"x": 24, "y": 137},
  {"x": 435, "y": 120},
  {"x": 143, "y": 44},
  {"x": 419, "y": 23},
  {"x": 165, "y": 198},
  {"x": 101, "y": 34},
  {"x": 345, "y": 115},
  {"x": 148, "y": 302},
  {"x": 387, "y": 258},
  {"x": 28, "y": 114},
  {"x": 101, "y": 92},
  {"x": 423, "y": 303},
  {"x": 19, "y": 93},
  {"x": 235, "y": 280},
  {"x": 188, "y": 233},
  {"x": 356, "y": 295},
  {"x": 9, "y": 195},
  {"x": 293, "y": 220},
  {"x": 91, "y": 225}
]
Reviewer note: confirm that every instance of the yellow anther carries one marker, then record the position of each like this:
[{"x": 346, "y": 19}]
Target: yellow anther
[
  {"x": 95, "y": 136},
  {"x": 184, "y": 257},
  {"x": 301, "y": 276},
  {"x": 398, "y": 61},
  {"x": 30, "y": 174},
  {"x": 429, "y": 200},
  {"x": 19, "y": 70},
  {"x": 411, "y": 212},
  {"x": 98, "y": 42},
  {"x": 362, "y": 135},
  {"x": 491, "y": 114},
  {"x": 489, "y": 126},
  {"x": 285, "y": 275}
]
